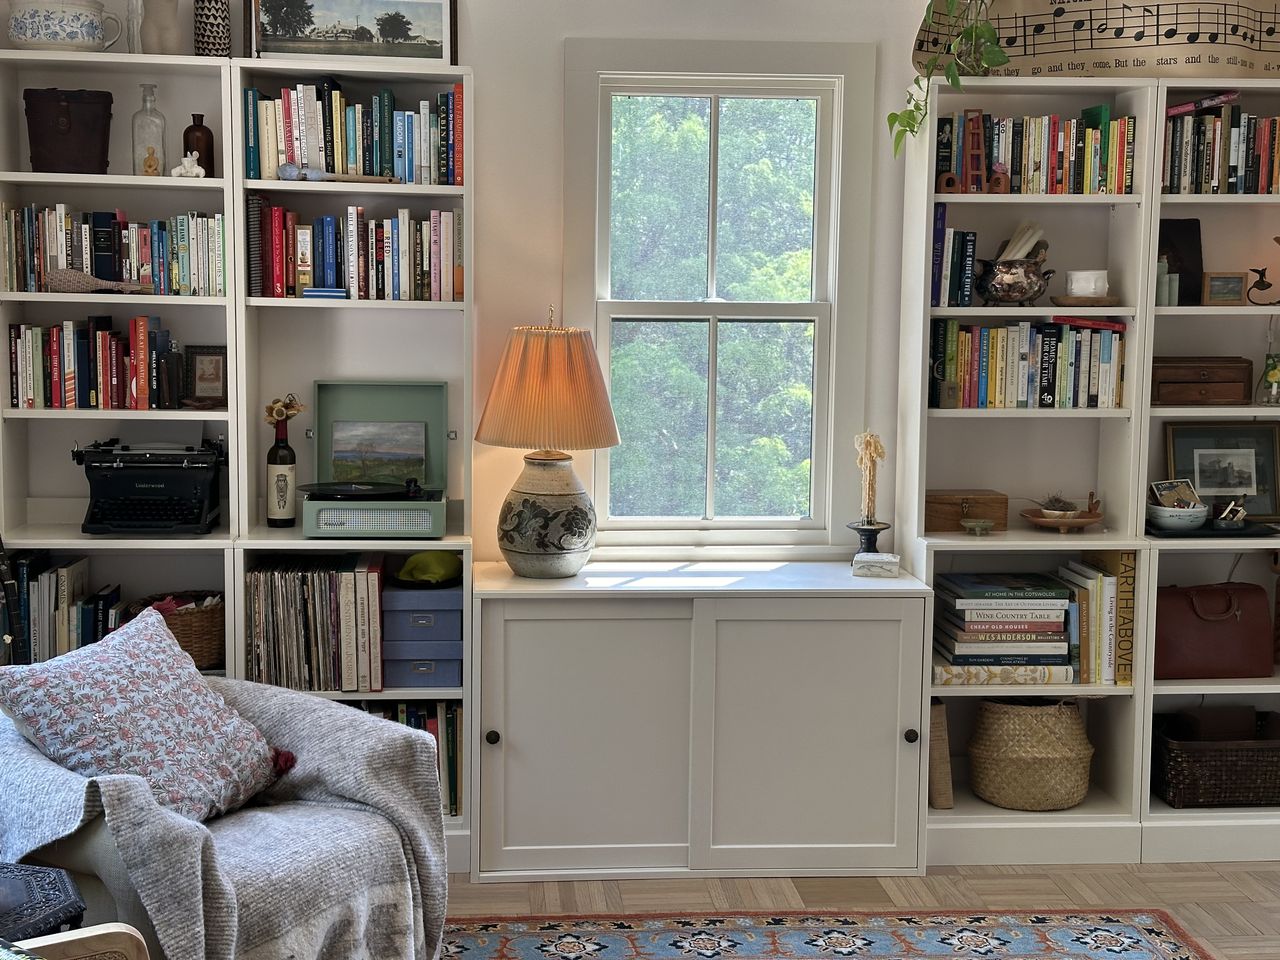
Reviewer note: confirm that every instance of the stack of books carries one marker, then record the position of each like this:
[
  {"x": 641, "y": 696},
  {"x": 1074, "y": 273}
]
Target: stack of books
[
  {"x": 1211, "y": 145},
  {"x": 1093, "y": 153},
  {"x": 354, "y": 256},
  {"x": 312, "y": 126},
  {"x": 78, "y": 365},
  {"x": 184, "y": 255},
  {"x": 57, "y": 612},
  {"x": 1067, "y": 362},
  {"x": 1000, "y": 628},
  {"x": 1102, "y": 585}
]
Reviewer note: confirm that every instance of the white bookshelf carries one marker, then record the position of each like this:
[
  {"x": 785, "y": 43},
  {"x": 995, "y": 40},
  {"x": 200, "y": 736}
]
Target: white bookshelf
[
  {"x": 1116, "y": 453},
  {"x": 286, "y": 344},
  {"x": 1027, "y": 453},
  {"x": 273, "y": 346}
]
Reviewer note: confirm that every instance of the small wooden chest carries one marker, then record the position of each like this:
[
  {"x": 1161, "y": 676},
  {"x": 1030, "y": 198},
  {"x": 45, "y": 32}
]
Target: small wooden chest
[
  {"x": 1201, "y": 381},
  {"x": 944, "y": 509}
]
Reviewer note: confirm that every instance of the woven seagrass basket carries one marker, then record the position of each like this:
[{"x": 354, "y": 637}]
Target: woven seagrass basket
[
  {"x": 201, "y": 631},
  {"x": 1030, "y": 754}
]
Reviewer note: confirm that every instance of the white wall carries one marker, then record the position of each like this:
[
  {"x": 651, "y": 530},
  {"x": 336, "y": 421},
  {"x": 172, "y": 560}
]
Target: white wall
[{"x": 516, "y": 49}]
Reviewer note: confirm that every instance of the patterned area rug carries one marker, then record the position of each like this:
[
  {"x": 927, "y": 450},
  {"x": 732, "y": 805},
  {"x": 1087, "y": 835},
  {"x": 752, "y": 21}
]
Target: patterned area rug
[{"x": 1061, "y": 935}]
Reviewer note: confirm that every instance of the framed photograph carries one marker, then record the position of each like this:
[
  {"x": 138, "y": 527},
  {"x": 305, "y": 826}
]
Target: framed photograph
[
  {"x": 1224, "y": 289},
  {"x": 1174, "y": 493},
  {"x": 1228, "y": 460},
  {"x": 422, "y": 29},
  {"x": 206, "y": 376}
]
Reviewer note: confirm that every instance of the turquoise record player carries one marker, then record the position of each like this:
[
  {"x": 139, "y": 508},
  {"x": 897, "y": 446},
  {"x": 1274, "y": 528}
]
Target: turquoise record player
[{"x": 381, "y": 460}]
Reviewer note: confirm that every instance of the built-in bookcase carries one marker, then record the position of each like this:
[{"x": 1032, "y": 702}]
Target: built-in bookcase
[
  {"x": 286, "y": 344},
  {"x": 1117, "y": 453}
]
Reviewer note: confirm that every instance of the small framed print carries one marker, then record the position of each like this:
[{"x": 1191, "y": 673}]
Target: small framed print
[
  {"x": 206, "y": 376},
  {"x": 1229, "y": 461},
  {"x": 1224, "y": 289}
]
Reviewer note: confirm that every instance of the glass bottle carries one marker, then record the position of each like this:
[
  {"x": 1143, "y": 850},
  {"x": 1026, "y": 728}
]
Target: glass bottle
[
  {"x": 148, "y": 136},
  {"x": 198, "y": 139},
  {"x": 280, "y": 493}
]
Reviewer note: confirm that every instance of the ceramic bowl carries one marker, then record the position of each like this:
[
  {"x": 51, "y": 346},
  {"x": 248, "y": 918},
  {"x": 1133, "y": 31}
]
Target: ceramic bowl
[
  {"x": 61, "y": 25},
  {"x": 1178, "y": 518}
]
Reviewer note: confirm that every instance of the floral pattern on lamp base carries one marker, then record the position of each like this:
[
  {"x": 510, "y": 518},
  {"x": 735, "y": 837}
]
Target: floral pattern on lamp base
[{"x": 547, "y": 525}]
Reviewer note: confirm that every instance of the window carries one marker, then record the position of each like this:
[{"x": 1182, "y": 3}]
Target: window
[
  {"x": 708, "y": 220},
  {"x": 710, "y": 204}
]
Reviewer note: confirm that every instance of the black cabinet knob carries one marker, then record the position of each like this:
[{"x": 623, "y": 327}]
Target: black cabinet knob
[
  {"x": 493, "y": 736},
  {"x": 911, "y": 736}
]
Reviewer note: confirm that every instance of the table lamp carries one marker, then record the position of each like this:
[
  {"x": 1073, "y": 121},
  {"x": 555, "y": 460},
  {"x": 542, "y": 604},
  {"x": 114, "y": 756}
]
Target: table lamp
[{"x": 548, "y": 395}]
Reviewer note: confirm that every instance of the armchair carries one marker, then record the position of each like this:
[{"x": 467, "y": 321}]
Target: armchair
[{"x": 343, "y": 856}]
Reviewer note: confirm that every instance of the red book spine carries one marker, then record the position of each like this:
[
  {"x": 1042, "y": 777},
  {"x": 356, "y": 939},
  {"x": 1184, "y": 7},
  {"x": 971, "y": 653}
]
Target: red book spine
[
  {"x": 115, "y": 351},
  {"x": 139, "y": 389},
  {"x": 286, "y": 105},
  {"x": 1091, "y": 323},
  {"x": 277, "y": 251},
  {"x": 1013, "y": 626},
  {"x": 104, "y": 370},
  {"x": 55, "y": 366},
  {"x": 291, "y": 254},
  {"x": 1053, "y": 160},
  {"x": 456, "y": 119}
]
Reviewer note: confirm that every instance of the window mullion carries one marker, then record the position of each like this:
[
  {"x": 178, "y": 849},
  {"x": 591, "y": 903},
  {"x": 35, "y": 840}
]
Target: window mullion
[
  {"x": 712, "y": 333},
  {"x": 713, "y": 157}
]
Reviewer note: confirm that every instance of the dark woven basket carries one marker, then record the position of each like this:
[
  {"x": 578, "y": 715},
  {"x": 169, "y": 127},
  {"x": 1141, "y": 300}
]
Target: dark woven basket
[
  {"x": 200, "y": 632},
  {"x": 1217, "y": 773}
]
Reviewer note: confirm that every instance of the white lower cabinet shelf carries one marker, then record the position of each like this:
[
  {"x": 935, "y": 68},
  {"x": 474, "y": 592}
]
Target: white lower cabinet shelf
[{"x": 630, "y": 736}]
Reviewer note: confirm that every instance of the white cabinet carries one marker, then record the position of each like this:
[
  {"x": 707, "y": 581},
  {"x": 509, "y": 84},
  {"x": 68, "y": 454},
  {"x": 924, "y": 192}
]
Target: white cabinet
[
  {"x": 691, "y": 729},
  {"x": 590, "y": 700},
  {"x": 806, "y": 751}
]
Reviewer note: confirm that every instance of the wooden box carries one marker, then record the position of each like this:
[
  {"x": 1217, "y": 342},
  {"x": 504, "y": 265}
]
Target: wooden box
[
  {"x": 944, "y": 509},
  {"x": 1201, "y": 381}
]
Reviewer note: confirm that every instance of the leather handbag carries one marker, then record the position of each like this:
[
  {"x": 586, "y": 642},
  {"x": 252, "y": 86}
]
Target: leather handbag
[{"x": 1213, "y": 631}]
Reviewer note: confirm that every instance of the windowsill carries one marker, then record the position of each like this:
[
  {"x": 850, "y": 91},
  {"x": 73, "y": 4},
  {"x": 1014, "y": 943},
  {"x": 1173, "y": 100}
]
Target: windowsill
[{"x": 698, "y": 578}]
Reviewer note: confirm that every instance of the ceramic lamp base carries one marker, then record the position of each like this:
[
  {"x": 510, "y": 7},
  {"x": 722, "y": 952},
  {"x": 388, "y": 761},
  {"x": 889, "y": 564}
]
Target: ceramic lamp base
[{"x": 547, "y": 526}]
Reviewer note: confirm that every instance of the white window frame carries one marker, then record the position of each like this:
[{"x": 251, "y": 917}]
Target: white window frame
[{"x": 841, "y": 77}]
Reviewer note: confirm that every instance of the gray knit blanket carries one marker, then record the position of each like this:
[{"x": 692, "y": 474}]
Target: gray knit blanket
[{"x": 344, "y": 857}]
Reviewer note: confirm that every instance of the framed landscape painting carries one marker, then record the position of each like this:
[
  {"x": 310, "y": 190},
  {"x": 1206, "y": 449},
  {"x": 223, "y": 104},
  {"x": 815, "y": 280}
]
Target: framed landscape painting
[{"x": 422, "y": 29}]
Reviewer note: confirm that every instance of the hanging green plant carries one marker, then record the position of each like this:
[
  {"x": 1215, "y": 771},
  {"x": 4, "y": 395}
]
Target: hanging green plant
[{"x": 973, "y": 51}]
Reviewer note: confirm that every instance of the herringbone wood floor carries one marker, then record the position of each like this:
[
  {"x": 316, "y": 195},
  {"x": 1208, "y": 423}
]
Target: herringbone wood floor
[{"x": 1233, "y": 908}]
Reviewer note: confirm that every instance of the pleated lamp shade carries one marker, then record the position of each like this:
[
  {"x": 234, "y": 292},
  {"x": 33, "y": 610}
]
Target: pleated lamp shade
[{"x": 549, "y": 394}]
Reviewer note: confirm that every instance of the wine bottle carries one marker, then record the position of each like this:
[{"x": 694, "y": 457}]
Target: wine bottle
[{"x": 280, "y": 493}]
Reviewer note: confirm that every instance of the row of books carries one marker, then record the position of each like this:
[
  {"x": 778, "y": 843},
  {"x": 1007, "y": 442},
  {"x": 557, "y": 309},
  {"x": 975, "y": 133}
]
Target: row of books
[
  {"x": 314, "y": 127},
  {"x": 1216, "y": 147},
  {"x": 1068, "y": 362},
  {"x": 86, "y": 365},
  {"x": 1044, "y": 154},
  {"x": 316, "y": 624},
  {"x": 184, "y": 255},
  {"x": 354, "y": 257},
  {"x": 443, "y": 720},
  {"x": 1075, "y": 626},
  {"x": 57, "y": 613},
  {"x": 955, "y": 254}
]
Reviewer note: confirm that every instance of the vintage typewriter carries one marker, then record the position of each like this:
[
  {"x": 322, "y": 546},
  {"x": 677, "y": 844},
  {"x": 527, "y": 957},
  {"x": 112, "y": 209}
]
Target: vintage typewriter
[{"x": 158, "y": 488}]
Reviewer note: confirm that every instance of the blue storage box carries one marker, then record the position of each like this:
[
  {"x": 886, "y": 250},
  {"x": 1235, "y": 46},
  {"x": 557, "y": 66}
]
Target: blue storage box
[{"x": 421, "y": 637}]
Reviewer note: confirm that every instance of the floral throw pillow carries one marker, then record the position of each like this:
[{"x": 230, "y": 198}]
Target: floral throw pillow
[{"x": 134, "y": 703}]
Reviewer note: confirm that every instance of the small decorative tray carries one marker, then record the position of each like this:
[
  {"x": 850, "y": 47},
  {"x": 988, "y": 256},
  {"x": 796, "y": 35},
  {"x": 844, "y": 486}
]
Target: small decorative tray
[
  {"x": 1062, "y": 524},
  {"x": 1208, "y": 531},
  {"x": 1085, "y": 301}
]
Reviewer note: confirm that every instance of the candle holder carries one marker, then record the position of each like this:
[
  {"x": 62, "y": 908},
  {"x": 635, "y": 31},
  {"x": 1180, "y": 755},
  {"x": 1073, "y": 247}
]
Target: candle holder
[{"x": 868, "y": 531}]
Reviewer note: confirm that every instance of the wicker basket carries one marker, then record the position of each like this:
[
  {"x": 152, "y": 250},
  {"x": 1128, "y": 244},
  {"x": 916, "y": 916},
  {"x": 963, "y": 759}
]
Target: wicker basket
[
  {"x": 201, "y": 631},
  {"x": 1030, "y": 754},
  {"x": 1216, "y": 773}
]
